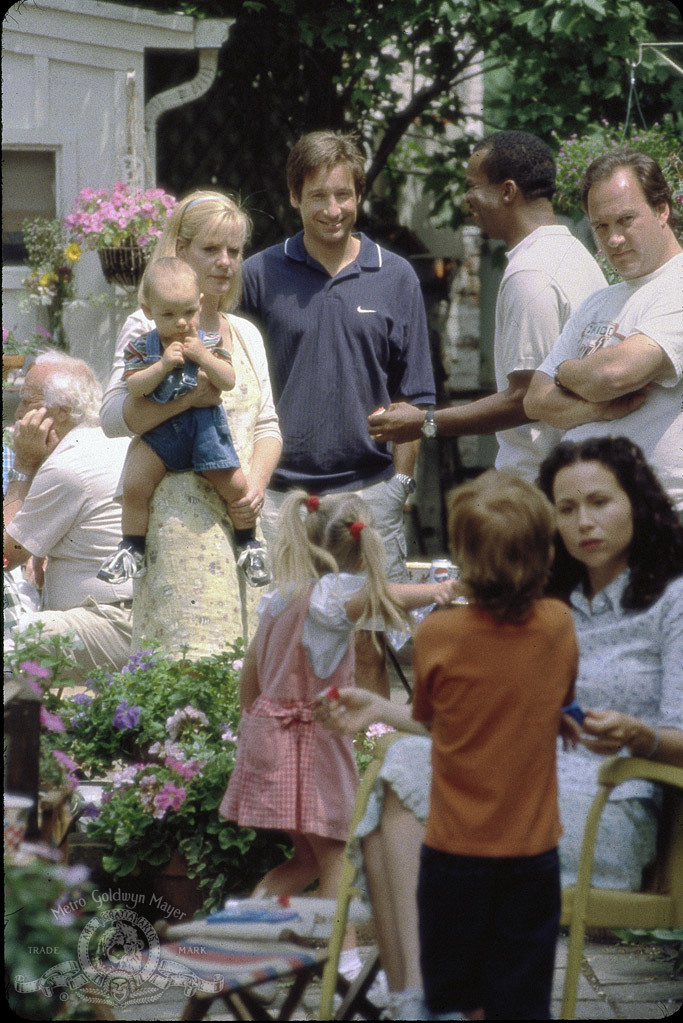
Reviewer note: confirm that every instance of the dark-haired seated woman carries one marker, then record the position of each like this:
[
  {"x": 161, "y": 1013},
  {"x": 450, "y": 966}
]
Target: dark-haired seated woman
[{"x": 619, "y": 564}]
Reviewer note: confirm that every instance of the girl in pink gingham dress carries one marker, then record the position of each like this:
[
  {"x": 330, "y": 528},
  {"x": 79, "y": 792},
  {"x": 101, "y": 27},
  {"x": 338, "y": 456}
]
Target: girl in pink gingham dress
[{"x": 291, "y": 773}]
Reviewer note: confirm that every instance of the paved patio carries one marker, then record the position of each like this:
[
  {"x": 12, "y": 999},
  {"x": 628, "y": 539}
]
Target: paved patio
[{"x": 617, "y": 982}]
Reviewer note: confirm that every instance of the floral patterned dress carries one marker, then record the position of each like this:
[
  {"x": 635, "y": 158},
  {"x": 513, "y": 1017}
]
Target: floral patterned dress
[{"x": 193, "y": 596}]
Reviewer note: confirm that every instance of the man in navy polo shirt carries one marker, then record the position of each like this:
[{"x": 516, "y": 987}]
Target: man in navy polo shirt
[{"x": 346, "y": 332}]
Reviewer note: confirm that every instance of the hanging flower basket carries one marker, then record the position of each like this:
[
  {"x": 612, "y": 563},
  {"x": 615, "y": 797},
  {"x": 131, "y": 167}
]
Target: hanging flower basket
[
  {"x": 123, "y": 224},
  {"x": 123, "y": 264}
]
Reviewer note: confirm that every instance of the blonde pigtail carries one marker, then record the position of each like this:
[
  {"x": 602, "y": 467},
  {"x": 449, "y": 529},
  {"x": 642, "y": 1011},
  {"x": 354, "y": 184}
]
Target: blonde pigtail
[
  {"x": 298, "y": 560},
  {"x": 380, "y": 604},
  {"x": 351, "y": 537}
]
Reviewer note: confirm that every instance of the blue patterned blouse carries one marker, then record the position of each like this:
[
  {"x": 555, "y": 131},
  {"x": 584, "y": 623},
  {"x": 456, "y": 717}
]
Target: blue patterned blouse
[{"x": 630, "y": 661}]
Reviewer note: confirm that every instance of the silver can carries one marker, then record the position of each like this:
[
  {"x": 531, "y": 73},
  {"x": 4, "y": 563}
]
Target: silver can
[{"x": 441, "y": 570}]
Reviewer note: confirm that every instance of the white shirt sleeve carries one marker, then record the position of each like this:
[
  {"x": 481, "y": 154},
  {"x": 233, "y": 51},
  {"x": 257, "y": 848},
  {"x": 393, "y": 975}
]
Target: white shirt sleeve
[
  {"x": 327, "y": 629},
  {"x": 267, "y": 424},
  {"x": 55, "y": 501},
  {"x": 566, "y": 346},
  {"x": 534, "y": 310},
  {"x": 111, "y": 412}
]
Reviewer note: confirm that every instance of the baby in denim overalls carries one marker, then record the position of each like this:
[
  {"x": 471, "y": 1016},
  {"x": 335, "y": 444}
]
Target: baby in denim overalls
[{"x": 163, "y": 365}]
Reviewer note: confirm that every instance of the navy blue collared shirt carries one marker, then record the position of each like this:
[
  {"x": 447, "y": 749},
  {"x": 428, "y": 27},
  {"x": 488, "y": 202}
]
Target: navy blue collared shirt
[{"x": 338, "y": 348}]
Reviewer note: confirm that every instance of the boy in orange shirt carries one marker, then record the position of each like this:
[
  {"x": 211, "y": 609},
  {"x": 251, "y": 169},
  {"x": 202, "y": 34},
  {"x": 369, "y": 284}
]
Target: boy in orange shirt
[{"x": 491, "y": 679}]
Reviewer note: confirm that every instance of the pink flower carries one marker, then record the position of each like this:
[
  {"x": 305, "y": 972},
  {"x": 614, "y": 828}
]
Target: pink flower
[
  {"x": 125, "y": 777},
  {"x": 187, "y": 769},
  {"x": 64, "y": 760},
  {"x": 34, "y": 669},
  {"x": 171, "y": 797},
  {"x": 378, "y": 728},
  {"x": 52, "y": 722}
]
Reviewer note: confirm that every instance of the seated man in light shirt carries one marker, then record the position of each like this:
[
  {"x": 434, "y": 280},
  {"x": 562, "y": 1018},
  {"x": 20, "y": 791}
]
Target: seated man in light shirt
[{"x": 60, "y": 505}]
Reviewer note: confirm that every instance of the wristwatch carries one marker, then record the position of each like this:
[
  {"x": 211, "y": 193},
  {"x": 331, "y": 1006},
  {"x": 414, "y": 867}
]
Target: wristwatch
[
  {"x": 556, "y": 378},
  {"x": 429, "y": 426},
  {"x": 14, "y": 476},
  {"x": 407, "y": 481}
]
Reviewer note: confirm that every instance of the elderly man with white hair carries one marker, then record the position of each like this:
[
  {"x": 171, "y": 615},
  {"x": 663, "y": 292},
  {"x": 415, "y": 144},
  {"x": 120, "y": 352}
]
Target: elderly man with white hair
[{"x": 60, "y": 505}]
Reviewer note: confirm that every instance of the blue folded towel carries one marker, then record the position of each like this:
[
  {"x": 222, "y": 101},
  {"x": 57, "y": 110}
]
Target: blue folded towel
[{"x": 249, "y": 915}]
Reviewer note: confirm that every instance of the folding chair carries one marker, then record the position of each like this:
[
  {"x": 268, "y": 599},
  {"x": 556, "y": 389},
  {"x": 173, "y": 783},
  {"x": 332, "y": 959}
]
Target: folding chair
[
  {"x": 233, "y": 954},
  {"x": 660, "y": 901},
  {"x": 354, "y": 1001},
  {"x": 235, "y": 969}
]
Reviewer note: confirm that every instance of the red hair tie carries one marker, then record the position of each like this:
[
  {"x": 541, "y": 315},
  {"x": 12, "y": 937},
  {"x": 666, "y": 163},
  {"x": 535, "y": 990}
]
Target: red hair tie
[
  {"x": 356, "y": 528},
  {"x": 312, "y": 503}
]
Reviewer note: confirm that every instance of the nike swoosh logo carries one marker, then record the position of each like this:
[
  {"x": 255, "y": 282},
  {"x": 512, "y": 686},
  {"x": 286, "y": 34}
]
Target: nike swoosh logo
[{"x": 361, "y": 310}]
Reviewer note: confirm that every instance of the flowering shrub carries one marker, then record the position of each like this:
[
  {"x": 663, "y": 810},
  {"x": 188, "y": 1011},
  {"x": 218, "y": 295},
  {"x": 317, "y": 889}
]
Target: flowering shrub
[
  {"x": 47, "y": 906},
  {"x": 123, "y": 217},
  {"x": 162, "y": 735},
  {"x": 575, "y": 153},
  {"x": 51, "y": 258},
  {"x": 13, "y": 345}
]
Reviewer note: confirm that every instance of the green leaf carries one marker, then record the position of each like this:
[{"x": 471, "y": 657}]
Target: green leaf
[
  {"x": 597, "y": 6},
  {"x": 127, "y": 865}
]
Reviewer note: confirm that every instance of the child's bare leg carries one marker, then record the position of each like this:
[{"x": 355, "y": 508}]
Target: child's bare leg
[
  {"x": 230, "y": 484},
  {"x": 144, "y": 473},
  {"x": 401, "y": 836},
  {"x": 329, "y": 854},
  {"x": 387, "y": 929},
  {"x": 292, "y": 876}
]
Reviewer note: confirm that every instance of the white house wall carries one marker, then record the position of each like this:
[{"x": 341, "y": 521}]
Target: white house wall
[{"x": 64, "y": 72}]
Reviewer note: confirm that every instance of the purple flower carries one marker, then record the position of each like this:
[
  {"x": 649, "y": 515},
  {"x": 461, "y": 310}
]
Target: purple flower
[
  {"x": 52, "y": 722},
  {"x": 64, "y": 760},
  {"x": 126, "y": 717},
  {"x": 34, "y": 669},
  {"x": 81, "y": 698}
]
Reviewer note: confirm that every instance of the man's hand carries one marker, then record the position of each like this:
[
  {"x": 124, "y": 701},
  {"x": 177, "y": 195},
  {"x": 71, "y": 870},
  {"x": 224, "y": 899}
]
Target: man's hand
[
  {"x": 400, "y": 422},
  {"x": 617, "y": 408},
  {"x": 34, "y": 439},
  {"x": 172, "y": 356},
  {"x": 565, "y": 410}
]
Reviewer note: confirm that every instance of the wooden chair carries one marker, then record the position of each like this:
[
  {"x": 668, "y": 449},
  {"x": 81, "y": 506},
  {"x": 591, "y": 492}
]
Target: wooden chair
[
  {"x": 660, "y": 901},
  {"x": 354, "y": 1000}
]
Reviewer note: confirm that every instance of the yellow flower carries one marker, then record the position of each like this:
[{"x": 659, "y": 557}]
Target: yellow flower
[
  {"x": 72, "y": 252},
  {"x": 47, "y": 279}
]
